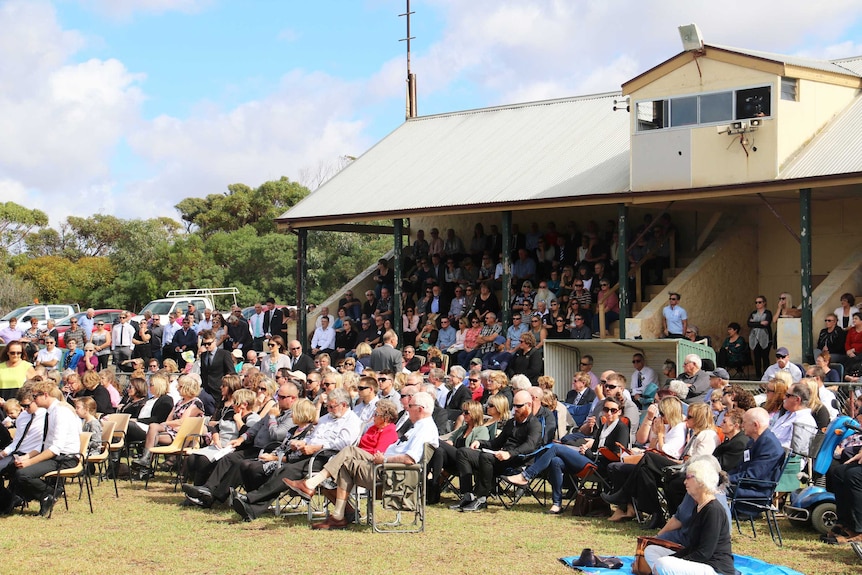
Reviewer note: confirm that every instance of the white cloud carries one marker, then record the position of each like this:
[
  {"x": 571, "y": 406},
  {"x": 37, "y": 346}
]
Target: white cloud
[{"x": 124, "y": 9}]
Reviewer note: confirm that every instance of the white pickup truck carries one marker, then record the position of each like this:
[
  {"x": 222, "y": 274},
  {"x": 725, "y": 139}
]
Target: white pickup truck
[
  {"x": 43, "y": 312},
  {"x": 202, "y": 298}
]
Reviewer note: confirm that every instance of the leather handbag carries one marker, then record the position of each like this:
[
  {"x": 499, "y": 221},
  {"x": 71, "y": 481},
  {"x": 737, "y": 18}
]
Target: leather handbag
[
  {"x": 589, "y": 503},
  {"x": 639, "y": 565}
]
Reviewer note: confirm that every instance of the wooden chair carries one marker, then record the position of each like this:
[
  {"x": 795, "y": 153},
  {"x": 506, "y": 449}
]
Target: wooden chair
[
  {"x": 79, "y": 471},
  {"x": 102, "y": 460},
  {"x": 187, "y": 438}
]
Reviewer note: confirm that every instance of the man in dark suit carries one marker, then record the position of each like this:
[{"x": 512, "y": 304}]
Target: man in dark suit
[
  {"x": 215, "y": 364},
  {"x": 762, "y": 458},
  {"x": 457, "y": 396},
  {"x": 185, "y": 339},
  {"x": 581, "y": 394},
  {"x": 238, "y": 331},
  {"x": 273, "y": 319},
  {"x": 299, "y": 361}
]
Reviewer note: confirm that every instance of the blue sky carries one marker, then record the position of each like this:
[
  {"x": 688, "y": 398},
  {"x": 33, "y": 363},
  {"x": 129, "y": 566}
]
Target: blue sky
[{"x": 128, "y": 106}]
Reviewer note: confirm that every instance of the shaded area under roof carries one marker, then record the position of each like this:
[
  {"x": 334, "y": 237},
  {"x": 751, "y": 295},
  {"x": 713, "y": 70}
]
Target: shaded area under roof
[{"x": 571, "y": 147}]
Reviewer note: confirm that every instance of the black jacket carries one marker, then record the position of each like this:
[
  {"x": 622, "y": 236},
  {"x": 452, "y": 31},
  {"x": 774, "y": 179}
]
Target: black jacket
[
  {"x": 517, "y": 438},
  {"x": 212, "y": 372},
  {"x": 530, "y": 364}
]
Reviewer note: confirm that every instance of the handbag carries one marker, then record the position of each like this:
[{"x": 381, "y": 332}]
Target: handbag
[
  {"x": 589, "y": 503},
  {"x": 639, "y": 565}
]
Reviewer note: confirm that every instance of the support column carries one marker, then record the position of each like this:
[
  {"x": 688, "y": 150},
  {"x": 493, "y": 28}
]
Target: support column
[
  {"x": 398, "y": 232},
  {"x": 506, "y": 278},
  {"x": 301, "y": 283},
  {"x": 623, "y": 265},
  {"x": 805, "y": 273}
]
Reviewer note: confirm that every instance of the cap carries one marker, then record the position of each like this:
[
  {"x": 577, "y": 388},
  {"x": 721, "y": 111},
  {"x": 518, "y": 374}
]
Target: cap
[
  {"x": 499, "y": 340},
  {"x": 476, "y": 361},
  {"x": 297, "y": 375},
  {"x": 720, "y": 373},
  {"x": 237, "y": 353},
  {"x": 782, "y": 351}
]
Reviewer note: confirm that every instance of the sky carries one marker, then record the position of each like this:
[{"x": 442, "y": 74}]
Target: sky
[{"x": 126, "y": 107}]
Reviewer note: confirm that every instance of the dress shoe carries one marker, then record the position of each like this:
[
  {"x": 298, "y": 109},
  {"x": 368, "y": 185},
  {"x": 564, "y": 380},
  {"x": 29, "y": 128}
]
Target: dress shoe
[
  {"x": 190, "y": 502},
  {"x": 518, "y": 479},
  {"x": 475, "y": 505},
  {"x": 838, "y": 529},
  {"x": 199, "y": 492},
  {"x": 234, "y": 495},
  {"x": 468, "y": 497},
  {"x": 300, "y": 488},
  {"x": 46, "y": 504},
  {"x": 331, "y": 523},
  {"x": 851, "y": 537},
  {"x": 616, "y": 498},
  {"x": 244, "y": 509}
]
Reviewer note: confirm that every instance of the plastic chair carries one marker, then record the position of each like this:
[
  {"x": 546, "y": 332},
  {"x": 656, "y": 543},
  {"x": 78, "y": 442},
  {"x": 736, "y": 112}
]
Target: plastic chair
[
  {"x": 79, "y": 471},
  {"x": 103, "y": 458},
  {"x": 187, "y": 438},
  {"x": 118, "y": 442}
]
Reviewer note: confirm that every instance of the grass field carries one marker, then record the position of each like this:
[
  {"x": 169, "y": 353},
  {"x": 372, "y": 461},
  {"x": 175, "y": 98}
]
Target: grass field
[{"x": 146, "y": 532}]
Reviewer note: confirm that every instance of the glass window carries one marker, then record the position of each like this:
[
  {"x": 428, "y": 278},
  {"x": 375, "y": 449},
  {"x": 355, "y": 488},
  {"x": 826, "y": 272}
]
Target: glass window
[
  {"x": 790, "y": 89},
  {"x": 716, "y": 107},
  {"x": 753, "y": 103},
  {"x": 683, "y": 111},
  {"x": 652, "y": 115}
]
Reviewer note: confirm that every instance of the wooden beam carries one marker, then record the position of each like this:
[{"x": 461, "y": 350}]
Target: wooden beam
[{"x": 710, "y": 225}]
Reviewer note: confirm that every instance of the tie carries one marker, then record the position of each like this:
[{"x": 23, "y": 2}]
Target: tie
[
  {"x": 209, "y": 358},
  {"x": 640, "y": 381},
  {"x": 45, "y": 432},
  {"x": 23, "y": 435}
]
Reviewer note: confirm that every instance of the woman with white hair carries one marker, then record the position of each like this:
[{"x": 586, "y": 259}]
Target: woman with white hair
[{"x": 708, "y": 551}]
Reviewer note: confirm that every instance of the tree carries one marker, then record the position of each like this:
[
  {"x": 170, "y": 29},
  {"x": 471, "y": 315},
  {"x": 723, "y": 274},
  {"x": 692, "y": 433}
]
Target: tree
[
  {"x": 14, "y": 292},
  {"x": 16, "y": 222},
  {"x": 59, "y": 279}
]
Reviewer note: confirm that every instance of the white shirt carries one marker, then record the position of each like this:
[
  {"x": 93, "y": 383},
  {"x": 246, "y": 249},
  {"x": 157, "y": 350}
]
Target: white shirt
[
  {"x": 318, "y": 322},
  {"x": 791, "y": 368},
  {"x": 647, "y": 377},
  {"x": 33, "y": 440},
  {"x": 323, "y": 338},
  {"x": 45, "y": 355},
  {"x": 255, "y": 324},
  {"x": 365, "y": 411},
  {"x": 782, "y": 426},
  {"x": 826, "y": 398},
  {"x": 423, "y": 431},
  {"x": 204, "y": 324},
  {"x": 64, "y": 430},
  {"x": 121, "y": 335},
  {"x": 335, "y": 433}
]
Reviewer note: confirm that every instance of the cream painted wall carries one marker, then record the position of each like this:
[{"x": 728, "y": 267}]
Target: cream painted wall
[{"x": 800, "y": 121}]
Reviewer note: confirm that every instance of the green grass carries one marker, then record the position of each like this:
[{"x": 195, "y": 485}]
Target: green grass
[{"x": 146, "y": 532}]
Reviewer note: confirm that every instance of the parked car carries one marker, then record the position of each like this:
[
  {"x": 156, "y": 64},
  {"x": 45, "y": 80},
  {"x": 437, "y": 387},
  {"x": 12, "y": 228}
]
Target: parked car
[
  {"x": 41, "y": 311},
  {"x": 109, "y": 316},
  {"x": 247, "y": 312},
  {"x": 180, "y": 299}
]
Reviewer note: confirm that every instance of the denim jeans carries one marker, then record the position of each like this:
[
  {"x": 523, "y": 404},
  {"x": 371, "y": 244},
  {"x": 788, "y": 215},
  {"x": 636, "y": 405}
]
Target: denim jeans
[{"x": 557, "y": 457}]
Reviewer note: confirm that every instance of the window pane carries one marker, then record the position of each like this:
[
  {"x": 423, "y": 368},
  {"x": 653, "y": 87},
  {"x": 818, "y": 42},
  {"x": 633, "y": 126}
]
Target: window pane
[
  {"x": 652, "y": 115},
  {"x": 683, "y": 111},
  {"x": 716, "y": 107},
  {"x": 753, "y": 103}
]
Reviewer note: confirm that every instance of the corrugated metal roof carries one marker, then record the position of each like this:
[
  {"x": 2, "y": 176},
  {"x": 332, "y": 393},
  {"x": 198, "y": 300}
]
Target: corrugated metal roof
[
  {"x": 853, "y": 64},
  {"x": 835, "y": 150},
  {"x": 812, "y": 63},
  {"x": 508, "y": 154}
]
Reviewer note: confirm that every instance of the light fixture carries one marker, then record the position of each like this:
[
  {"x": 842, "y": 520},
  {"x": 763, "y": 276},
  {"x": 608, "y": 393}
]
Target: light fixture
[{"x": 692, "y": 39}]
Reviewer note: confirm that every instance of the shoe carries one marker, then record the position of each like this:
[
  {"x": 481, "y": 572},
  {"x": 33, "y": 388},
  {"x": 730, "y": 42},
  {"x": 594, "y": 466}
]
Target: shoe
[
  {"x": 244, "y": 509},
  {"x": 616, "y": 498},
  {"x": 234, "y": 495},
  {"x": 141, "y": 462},
  {"x": 476, "y": 505},
  {"x": 838, "y": 529},
  {"x": 199, "y": 492},
  {"x": 587, "y": 559},
  {"x": 609, "y": 562},
  {"x": 190, "y": 502},
  {"x": 656, "y": 522},
  {"x": 468, "y": 498},
  {"x": 851, "y": 537},
  {"x": 554, "y": 510},
  {"x": 331, "y": 523},
  {"x": 46, "y": 504},
  {"x": 300, "y": 488},
  {"x": 518, "y": 479}
]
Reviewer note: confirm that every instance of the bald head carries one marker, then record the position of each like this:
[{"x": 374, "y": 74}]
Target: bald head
[
  {"x": 523, "y": 404},
  {"x": 294, "y": 348}
]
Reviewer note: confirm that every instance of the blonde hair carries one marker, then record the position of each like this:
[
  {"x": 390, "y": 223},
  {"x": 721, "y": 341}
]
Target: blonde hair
[
  {"x": 701, "y": 416},
  {"x": 91, "y": 380},
  {"x": 187, "y": 386},
  {"x": 87, "y": 403},
  {"x": 303, "y": 411},
  {"x": 170, "y": 365},
  {"x": 501, "y": 403},
  {"x": 814, "y": 403},
  {"x": 159, "y": 384},
  {"x": 499, "y": 378},
  {"x": 245, "y": 396},
  {"x": 671, "y": 410},
  {"x": 546, "y": 382}
]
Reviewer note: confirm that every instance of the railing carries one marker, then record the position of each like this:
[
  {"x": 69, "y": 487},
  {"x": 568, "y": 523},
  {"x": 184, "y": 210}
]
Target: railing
[{"x": 844, "y": 392}]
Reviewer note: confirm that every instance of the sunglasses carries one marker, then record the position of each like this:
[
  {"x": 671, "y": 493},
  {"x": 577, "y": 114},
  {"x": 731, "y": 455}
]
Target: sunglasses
[
  {"x": 473, "y": 380},
  {"x": 519, "y": 405},
  {"x": 778, "y": 356},
  {"x": 362, "y": 387},
  {"x": 609, "y": 386},
  {"x": 25, "y": 406},
  {"x": 610, "y": 409}
]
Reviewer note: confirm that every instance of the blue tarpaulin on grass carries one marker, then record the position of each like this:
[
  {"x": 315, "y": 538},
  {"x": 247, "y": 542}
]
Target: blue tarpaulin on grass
[{"x": 743, "y": 563}]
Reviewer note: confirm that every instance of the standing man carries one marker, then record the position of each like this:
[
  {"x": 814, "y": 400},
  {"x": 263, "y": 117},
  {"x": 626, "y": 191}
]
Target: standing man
[
  {"x": 215, "y": 364},
  {"x": 157, "y": 338},
  {"x": 273, "y": 320},
  {"x": 255, "y": 323},
  {"x": 121, "y": 340},
  {"x": 184, "y": 340},
  {"x": 386, "y": 356},
  {"x": 87, "y": 323},
  {"x": 674, "y": 318},
  {"x": 195, "y": 313},
  {"x": 61, "y": 445}
]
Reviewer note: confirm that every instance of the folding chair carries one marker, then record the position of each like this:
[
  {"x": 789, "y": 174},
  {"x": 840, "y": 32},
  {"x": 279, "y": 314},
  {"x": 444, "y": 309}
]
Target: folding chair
[
  {"x": 580, "y": 481},
  {"x": 398, "y": 489},
  {"x": 102, "y": 459},
  {"x": 79, "y": 471},
  {"x": 751, "y": 506},
  {"x": 187, "y": 438}
]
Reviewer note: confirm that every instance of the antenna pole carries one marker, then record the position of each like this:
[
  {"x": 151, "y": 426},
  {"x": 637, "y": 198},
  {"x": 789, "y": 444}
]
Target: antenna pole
[{"x": 412, "y": 108}]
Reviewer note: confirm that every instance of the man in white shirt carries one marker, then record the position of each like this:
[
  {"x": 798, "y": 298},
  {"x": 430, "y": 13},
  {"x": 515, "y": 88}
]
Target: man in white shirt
[
  {"x": 643, "y": 376},
  {"x": 797, "y": 414},
  {"x": 324, "y": 313},
  {"x": 30, "y": 427},
  {"x": 255, "y": 324},
  {"x": 50, "y": 356},
  {"x": 121, "y": 340},
  {"x": 323, "y": 339},
  {"x": 364, "y": 408},
  {"x": 58, "y": 451},
  {"x": 782, "y": 363}
]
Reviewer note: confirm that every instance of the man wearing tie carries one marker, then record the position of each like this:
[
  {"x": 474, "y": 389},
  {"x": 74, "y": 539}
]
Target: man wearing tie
[
  {"x": 121, "y": 340},
  {"x": 299, "y": 361},
  {"x": 185, "y": 339},
  {"x": 642, "y": 376},
  {"x": 273, "y": 319},
  {"x": 215, "y": 364},
  {"x": 256, "y": 323}
]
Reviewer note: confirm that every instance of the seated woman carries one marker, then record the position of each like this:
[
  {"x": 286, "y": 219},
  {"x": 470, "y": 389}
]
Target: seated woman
[
  {"x": 156, "y": 409},
  {"x": 842, "y": 479},
  {"x": 498, "y": 413},
  {"x": 572, "y": 459},
  {"x": 445, "y": 457},
  {"x": 136, "y": 397},
  {"x": 708, "y": 550},
  {"x": 734, "y": 352},
  {"x": 189, "y": 405},
  {"x": 663, "y": 431}
]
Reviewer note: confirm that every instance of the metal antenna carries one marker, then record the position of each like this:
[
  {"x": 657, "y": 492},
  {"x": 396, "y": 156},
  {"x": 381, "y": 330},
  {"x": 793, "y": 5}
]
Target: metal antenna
[{"x": 412, "y": 108}]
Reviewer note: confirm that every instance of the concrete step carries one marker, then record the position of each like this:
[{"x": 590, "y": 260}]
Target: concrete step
[{"x": 651, "y": 291}]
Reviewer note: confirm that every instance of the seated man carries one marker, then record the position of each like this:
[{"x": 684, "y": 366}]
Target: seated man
[
  {"x": 782, "y": 363},
  {"x": 272, "y": 427},
  {"x": 333, "y": 432},
  {"x": 28, "y": 439},
  {"x": 761, "y": 458},
  {"x": 483, "y": 460},
  {"x": 367, "y": 400},
  {"x": 61, "y": 445},
  {"x": 355, "y": 466}
]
